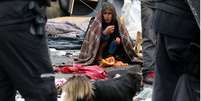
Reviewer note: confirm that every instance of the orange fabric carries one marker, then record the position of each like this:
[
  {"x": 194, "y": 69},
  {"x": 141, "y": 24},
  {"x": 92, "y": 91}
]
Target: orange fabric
[{"x": 111, "y": 62}]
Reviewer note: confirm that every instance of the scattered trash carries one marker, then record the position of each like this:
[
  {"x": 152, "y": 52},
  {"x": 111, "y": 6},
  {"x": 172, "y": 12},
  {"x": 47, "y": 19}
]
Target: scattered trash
[
  {"x": 144, "y": 95},
  {"x": 56, "y": 52},
  {"x": 18, "y": 97}
]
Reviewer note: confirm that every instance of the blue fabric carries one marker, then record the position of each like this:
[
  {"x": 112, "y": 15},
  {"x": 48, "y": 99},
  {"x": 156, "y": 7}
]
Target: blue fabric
[{"x": 112, "y": 47}]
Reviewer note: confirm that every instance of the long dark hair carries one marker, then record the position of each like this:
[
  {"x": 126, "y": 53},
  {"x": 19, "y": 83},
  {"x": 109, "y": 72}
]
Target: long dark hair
[{"x": 109, "y": 6}]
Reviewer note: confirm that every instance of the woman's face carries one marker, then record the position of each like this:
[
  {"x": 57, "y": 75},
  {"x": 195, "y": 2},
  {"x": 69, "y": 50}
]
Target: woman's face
[{"x": 107, "y": 16}]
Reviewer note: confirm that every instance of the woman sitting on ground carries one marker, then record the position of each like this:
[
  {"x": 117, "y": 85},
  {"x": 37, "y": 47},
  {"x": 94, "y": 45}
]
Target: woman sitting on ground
[{"x": 107, "y": 36}]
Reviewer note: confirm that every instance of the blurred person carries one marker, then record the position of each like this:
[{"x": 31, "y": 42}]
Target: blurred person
[
  {"x": 24, "y": 51},
  {"x": 175, "y": 26}
]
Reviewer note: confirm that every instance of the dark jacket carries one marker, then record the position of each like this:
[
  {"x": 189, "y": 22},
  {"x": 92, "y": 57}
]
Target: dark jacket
[
  {"x": 177, "y": 7},
  {"x": 19, "y": 11},
  {"x": 174, "y": 18},
  {"x": 10, "y": 14}
]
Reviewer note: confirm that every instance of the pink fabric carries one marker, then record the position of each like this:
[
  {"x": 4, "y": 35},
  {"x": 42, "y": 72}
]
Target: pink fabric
[{"x": 93, "y": 72}]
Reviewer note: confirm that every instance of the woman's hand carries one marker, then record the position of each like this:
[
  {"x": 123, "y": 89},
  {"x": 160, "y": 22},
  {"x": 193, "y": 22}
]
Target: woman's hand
[
  {"x": 109, "y": 30},
  {"x": 117, "y": 40}
]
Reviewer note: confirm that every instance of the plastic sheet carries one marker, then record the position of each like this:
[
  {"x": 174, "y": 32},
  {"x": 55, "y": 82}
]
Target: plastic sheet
[{"x": 131, "y": 11}]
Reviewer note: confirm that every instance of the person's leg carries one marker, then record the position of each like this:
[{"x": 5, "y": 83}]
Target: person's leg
[
  {"x": 171, "y": 62},
  {"x": 7, "y": 91},
  {"x": 101, "y": 51},
  {"x": 187, "y": 89},
  {"x": 161, "y": 61},
  {"x": 112, "y": 48},
  {"x": 149, "y": 41},
  {"x": 121, "y": 55},
  {"x": 149, "y": 37},
  {"x": 26, "y": 58}
]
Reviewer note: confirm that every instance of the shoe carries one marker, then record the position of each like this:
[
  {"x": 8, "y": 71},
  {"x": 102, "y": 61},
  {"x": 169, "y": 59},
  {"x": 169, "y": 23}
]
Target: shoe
[{"x": 149, "y": 77}]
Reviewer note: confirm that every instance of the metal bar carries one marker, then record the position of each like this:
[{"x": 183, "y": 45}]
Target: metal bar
[{"x": 48, "y": 75}]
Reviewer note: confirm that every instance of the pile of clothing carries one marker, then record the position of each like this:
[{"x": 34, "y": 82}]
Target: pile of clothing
[{"x": 93, "y": 72}]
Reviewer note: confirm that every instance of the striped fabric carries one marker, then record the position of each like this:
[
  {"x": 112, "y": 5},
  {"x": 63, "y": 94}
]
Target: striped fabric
[{"x": 91, "y": 42}]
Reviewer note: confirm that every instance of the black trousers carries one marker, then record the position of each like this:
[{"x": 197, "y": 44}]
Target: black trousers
[
  {"x": 148, "y": 35},
  {"x": 187, "y": 89},
  {"x": 23, "y": 56},
  {"x": 172, "y": 59}
]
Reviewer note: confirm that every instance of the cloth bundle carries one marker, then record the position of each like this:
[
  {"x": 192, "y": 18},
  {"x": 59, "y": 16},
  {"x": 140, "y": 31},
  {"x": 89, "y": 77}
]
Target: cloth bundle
[
  {"x": 93, "y": 72},
  {"x": 111, "y": 62}
]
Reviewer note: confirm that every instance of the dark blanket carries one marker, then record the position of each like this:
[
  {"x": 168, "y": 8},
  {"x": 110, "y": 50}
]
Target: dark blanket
[{"x": 123, "y": 88}]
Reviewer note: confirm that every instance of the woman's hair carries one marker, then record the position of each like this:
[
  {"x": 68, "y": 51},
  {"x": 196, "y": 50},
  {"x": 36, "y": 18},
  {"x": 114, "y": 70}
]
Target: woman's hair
[
  {"x": 109, "y": 6},
  {"x": 78, "y": 88}
]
